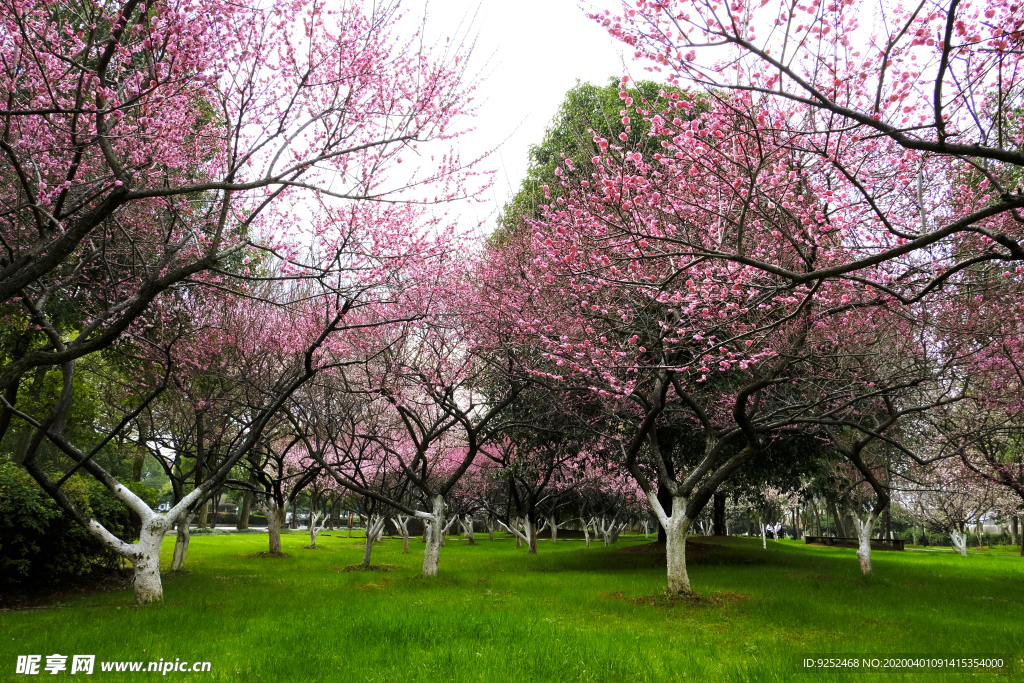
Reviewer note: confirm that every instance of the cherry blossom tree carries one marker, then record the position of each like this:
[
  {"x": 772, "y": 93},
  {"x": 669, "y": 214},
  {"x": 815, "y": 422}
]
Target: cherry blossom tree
[
  {"x": 423, "y": 389},
  {"x": 152, "y": 153},
  {"x": 903, "y": 121}
]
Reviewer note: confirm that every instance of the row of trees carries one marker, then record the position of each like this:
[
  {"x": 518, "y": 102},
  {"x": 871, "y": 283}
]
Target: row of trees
[{"x": 793, "y": 257}]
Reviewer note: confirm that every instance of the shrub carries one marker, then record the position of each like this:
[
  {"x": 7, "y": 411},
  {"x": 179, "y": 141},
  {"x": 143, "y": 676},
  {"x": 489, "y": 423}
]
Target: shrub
[{"x": 42, "y": 545}]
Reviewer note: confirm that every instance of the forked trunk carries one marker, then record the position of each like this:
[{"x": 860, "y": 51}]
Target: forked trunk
[
  {"x": 864, "y": 542},
  {"x": 374, "y": 528},
  {"x": 467, "y": 527},
  {"x": 444, "y": 530},
  {"x": 959, "y": 541},
  {"x": 606, "y": 532},
  {"x": 402, "y": 526},
  {"x": 434, "y": 530},
  {"x": 181, "y": 544}
]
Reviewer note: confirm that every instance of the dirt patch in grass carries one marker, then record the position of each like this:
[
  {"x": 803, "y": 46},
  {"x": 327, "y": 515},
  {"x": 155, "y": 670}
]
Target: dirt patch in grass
[
  {"x": 312, "y": 547},
  {"x": 809, "y": 576},
  {"x": 371, "y": 568},
  {"x": 263, "y": 555},
  {"x": 717, "y": 599}
]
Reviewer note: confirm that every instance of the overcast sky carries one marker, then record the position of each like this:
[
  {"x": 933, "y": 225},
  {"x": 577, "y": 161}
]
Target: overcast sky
[{"x": 532, "y": 52}]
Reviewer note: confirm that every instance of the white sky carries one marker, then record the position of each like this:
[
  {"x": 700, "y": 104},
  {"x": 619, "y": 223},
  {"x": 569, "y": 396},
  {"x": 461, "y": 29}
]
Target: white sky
[{"x": 532, "y": 52}]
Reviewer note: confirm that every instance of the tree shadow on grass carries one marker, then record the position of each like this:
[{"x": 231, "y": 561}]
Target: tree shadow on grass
[
  {"x": 652, "y": 556},
  {"x": 371, "y": 568}
]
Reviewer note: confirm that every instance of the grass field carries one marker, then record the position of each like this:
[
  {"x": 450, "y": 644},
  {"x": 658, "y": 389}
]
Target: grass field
[{"x": 569, "y": 614}]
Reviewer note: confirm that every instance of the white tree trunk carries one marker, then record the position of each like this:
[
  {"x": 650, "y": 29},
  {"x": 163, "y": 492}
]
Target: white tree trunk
[
  {"x": 864, "y": 529},
  {"x": 959, "y": 542},
  {"x": 533, "y": 532},
  {"x": 145, "y": 553},
  {"x": 402, "y": 526},
  {"x": 315, "y": 530},
  {"x": 527, "y": 535},
  {"x": 433, "y": 522},
  {"x": 446, "y": 528},
  {"x": 374, "y": 526},
  {"x": 606, "y": 531},
  {"x": 554, "y": 529},
  {"x": 586, "y": 533},
  {"x": 764, "y": 541},
  {"x": 275, "y": 515},
  {"x": 181, "y": 544},
  {"x": 467, "y": 530},
  {"x": 677, "y": 527},
  {"x": 148, "y": 587}
]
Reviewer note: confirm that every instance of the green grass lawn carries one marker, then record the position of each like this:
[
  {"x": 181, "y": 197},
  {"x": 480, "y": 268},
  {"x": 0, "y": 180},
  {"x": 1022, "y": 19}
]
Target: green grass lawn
[{"x": 569, "y": 614}]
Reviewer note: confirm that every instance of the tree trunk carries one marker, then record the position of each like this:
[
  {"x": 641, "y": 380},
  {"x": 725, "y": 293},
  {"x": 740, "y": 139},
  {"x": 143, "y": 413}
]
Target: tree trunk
[
  {"x": 677, "y": 527},
  {"x": 586, "y": 532},
  {"x": 137, "y": 462},
  {"x": 665, "y": 499},
  {"x": 718, "y": 515},
  {"x": 203, "y": 510},
  {"x": 181, "y": 544},
  {"x": 434, "y": 529},
  {"x": 840, "y": 531},
  {"x": 275, "y": 520},
  {"x": 864, "y": 530},
  {"x": 959, "y": 542},
  {"x": 244, "y": 511},
  {"x": 214, "y": 508},
  {"x": 468, "y": 528},
  {"x": 532, "y": 526},
  {"x": 25, "y": 434},
  {"x": 147, "y": 584},
  {"x": 367, "y": 550}
]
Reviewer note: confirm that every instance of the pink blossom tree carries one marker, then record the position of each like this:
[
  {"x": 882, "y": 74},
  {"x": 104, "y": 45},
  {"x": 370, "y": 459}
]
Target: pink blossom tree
[
  {"x": 152, "y": 151},
  {"x": 617, "y": 287},
  {"x": 903, "y": 121}
]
